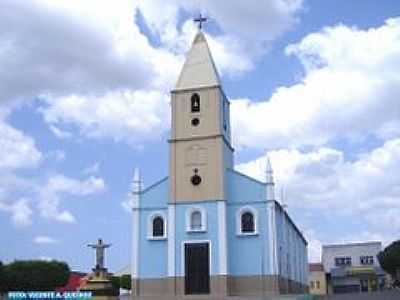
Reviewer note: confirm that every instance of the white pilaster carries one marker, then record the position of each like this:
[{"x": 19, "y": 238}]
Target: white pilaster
[
  {"x": 273, "y": 247},
  {"x": 135, "y": 201},
  {"x": 270, "y": 197},
  {"x": 276, "y": 260},
  {"x": 222, "y": 239},
  {"x": 171, "y": 240}
]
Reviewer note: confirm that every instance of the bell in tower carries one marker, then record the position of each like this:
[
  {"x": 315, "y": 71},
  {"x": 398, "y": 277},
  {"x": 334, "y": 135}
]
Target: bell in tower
[{"x": 195, "y": 103}]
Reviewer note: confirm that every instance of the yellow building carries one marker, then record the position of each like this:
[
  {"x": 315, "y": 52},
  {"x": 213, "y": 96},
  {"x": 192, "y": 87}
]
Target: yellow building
[{"x": 317, "y": 279}]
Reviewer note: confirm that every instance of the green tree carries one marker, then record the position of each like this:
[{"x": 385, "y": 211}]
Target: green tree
[
  {"x": 35, "y": 275},
  {"x": 126, "y": 282},
  {"x": 389, "y": 260},
  {"x": 115, "y": 282},
  {"x": 2, "y": 279}
]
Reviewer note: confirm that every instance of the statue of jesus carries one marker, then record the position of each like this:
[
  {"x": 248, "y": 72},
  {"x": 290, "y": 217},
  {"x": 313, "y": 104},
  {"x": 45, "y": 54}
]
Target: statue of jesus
[{"x": 99, "y": 252}]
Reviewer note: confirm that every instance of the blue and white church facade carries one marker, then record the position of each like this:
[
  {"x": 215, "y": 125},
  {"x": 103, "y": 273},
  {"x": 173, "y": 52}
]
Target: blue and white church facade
[{"x": 206, "y": 228}]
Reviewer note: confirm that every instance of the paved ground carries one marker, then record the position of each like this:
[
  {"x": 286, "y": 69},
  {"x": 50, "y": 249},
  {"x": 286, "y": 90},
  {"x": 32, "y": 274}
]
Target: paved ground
[
  {"x": 306, "y": 297},
  {"x": 386, "y": 295}
]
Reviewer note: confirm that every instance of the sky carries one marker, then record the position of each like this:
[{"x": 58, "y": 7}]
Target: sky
[{"x": 84, "y": 99}]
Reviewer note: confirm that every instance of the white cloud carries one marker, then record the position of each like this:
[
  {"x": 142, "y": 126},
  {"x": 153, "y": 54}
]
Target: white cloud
[
  {"x": 60, "y": 183},
  {"x": 82, "y": 53},
  {"x": 92, "y": 169},
  {"x": 127, "y": 205},
  {"x": 349, "y": 91},
  {"x": 61, "y": 134},
  {"x": 247, "y": 28},
  {"x": 20, "y": 210},
  {"x": 45, "y": 258},
  {"x": 49, "y": 208},
  {"x": 56, "y": 155},
  {"x": 77, "y": 47},
  {"x": 328, "y": 184},
  {"x": 43, "y": 239},
  {"x": 17, "y": 150},
  {"x": 254, "y": 19},
  {"x": 58, "y": 187},
  {"x": 85, "y": 51},
  {"x": 314, "y": 247},
  {"x": 121, "y": 115}
]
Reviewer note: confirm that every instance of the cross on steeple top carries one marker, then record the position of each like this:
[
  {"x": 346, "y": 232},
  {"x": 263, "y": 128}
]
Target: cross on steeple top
[{"x": 200, "y": 19}]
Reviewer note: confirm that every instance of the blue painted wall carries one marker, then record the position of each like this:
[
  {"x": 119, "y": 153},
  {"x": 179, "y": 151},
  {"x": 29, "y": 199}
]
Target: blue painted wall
[
  {"x": 153, "y": 253},
  {"x": 292, "y": 251},
  {"x": 244, "y": 189},
  {"x": 211, "y": 234},
  {"x": 156, "y": 195},
  {"x": 247, "y": 255}
]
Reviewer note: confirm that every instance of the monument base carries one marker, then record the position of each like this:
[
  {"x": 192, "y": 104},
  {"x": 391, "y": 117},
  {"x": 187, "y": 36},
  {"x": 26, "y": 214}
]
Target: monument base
[{"x": 100, "y": 285}]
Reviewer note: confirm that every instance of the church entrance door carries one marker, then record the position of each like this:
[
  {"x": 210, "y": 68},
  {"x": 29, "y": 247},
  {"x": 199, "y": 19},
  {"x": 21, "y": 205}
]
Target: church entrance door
[{"x": 197, "y": 268}]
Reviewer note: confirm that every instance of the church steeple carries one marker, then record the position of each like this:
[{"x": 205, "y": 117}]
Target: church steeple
[
  {"x": 199, "y": 70},
  {"x": 200, "y": 143}
]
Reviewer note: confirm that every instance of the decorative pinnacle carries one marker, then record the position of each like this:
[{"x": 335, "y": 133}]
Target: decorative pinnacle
[
  {"x": 136, "y": 183},
  {"x": 269, "y": 172}
]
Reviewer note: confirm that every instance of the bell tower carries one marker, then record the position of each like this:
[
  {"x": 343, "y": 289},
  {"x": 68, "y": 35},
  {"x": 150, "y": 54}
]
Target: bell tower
[{"x": 200, "y": 143}]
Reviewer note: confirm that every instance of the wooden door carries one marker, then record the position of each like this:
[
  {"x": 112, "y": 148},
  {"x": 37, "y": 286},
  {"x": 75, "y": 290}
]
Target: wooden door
[{"x": 197, "y": 268}]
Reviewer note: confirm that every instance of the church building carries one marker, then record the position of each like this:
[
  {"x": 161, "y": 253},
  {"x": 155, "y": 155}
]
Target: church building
[{"x": 207, "y": 229}]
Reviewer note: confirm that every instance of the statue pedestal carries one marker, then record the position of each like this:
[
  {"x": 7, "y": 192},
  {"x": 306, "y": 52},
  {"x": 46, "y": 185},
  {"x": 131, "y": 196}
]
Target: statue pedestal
[{"x": 99, "y": 284}]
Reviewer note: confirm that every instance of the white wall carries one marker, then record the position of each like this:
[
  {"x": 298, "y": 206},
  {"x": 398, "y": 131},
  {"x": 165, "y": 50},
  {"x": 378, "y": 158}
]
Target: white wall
[{"x": 329, "y": 252}]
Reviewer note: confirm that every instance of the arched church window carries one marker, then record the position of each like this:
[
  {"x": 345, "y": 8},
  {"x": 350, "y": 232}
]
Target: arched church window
[
  {"x": 158, "y": 227},
  {"x": 195, "y": 103},
  {"x": 247, "y": 222},
  {"x": 195, "y": 221}
]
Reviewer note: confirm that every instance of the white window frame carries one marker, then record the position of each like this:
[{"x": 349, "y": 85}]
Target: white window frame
[
  {"x": 150, "y": 226},
  {"x": 239, "y": 214},
  {"x": 203, "y": 214}
]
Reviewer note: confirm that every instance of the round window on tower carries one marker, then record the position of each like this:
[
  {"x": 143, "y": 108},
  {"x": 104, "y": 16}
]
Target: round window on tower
[
  {"x": 195, "y": 179},
  {"x": 195, "y": 121}
]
